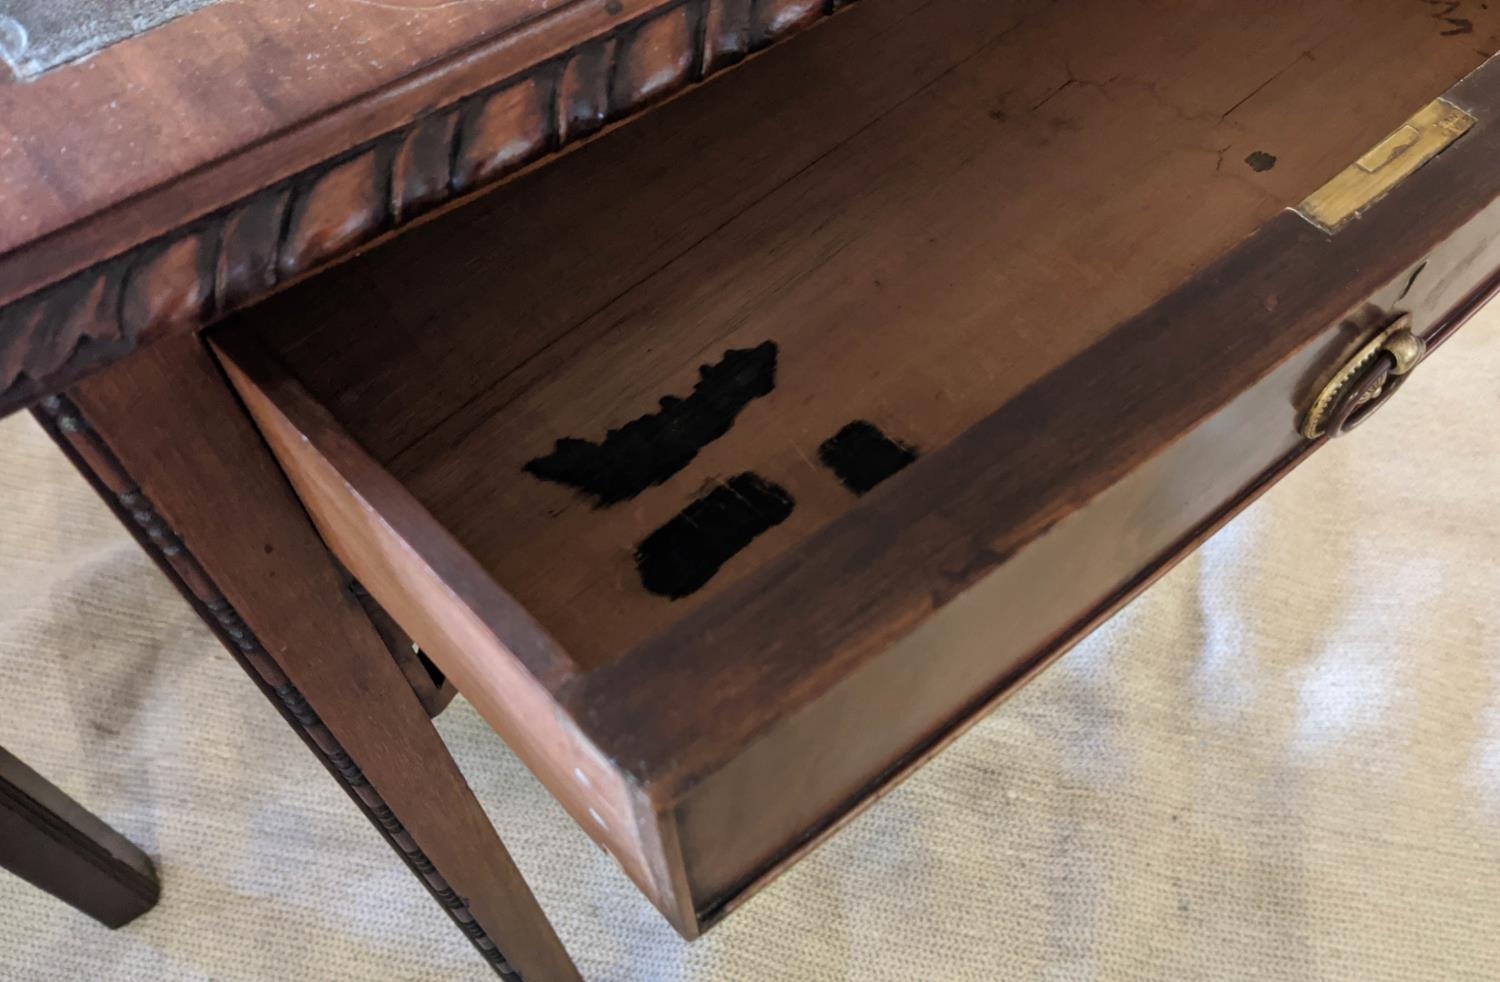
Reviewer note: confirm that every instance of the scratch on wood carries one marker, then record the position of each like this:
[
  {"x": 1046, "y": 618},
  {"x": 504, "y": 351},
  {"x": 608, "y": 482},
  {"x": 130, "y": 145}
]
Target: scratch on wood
[{"x": 1263, "y": 86}]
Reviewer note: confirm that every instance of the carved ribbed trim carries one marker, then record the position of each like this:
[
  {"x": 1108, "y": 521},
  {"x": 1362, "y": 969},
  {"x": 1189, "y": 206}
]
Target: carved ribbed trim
[
  {"x": 240, "y": 254},
  {"x": 67, "y": 424}
]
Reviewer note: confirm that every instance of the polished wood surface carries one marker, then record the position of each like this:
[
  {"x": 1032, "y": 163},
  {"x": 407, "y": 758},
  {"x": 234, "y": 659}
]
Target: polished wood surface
[
  {"x": 196, "y": 167},
  {"x": 173, "y": 452},
  {"x": 53, "y": 843},
  {"x": 1071, "y": 288}
]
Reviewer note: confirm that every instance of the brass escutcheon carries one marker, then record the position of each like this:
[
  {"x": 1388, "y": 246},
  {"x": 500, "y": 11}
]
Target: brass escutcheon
[{"x": 1365, "y": 381}]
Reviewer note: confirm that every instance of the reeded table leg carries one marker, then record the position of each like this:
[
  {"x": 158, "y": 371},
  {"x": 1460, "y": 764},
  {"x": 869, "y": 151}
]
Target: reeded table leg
[
  {"x": 168, "y": 446},
  {"x": 52, "y": 842}
]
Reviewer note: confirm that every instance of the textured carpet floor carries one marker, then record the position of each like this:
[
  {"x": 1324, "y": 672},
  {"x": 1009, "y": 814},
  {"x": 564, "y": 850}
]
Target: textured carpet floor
[{"x": 1283, "y": 762}]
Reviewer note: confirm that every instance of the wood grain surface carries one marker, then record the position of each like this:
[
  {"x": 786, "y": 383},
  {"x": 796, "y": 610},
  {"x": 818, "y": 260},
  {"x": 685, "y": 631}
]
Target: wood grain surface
[
  {"x": 194, "y": 168},
  {"x": 921, "y": 239},
  {"x": 496, "y": 653},
  {"x": 1039, "y": 488}
]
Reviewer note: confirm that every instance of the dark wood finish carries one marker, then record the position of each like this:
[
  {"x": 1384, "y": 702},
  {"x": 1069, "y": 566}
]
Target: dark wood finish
[
  {"x": 168, "y": 446},
  {"x": 200, "y": 165},
  {"x": 52, "y": 842},
  {"x": 1094, "y": 318}
]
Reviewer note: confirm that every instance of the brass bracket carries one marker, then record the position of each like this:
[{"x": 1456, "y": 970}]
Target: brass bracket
[
  {"x": 1366, "y": 380},
  {"x": 1386, "y": 165}
]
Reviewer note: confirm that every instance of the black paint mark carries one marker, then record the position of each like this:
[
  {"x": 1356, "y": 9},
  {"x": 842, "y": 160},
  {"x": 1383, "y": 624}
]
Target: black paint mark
[
  {"x": 1260, "y": 161},
  {"x": 1411, "y": 281},
  {"x": 1443, "y": 15},
  {"x": 862, "y": 456},
  {"x": 651, "y": 449},
  {"x": 680, "y": 557}
]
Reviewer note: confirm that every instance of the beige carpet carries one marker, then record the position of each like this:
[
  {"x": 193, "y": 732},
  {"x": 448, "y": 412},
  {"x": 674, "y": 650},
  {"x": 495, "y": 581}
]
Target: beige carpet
[{"x": 1281, "y": 763}]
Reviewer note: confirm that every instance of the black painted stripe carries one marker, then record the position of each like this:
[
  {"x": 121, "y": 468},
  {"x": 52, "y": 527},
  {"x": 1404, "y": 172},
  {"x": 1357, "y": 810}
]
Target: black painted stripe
[
  {"x": 649, "y": 450},
  {"x": 679, "y": 558},
  {"x": 861, "y": 456}
]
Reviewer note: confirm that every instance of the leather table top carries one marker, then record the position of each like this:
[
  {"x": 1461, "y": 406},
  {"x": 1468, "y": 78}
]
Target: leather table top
[{"x": 36, "y": 35}]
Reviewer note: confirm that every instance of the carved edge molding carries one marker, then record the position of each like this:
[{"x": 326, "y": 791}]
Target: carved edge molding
[
  {"x": 67, "y": 425},
  {"x": 240, "y": 254}
]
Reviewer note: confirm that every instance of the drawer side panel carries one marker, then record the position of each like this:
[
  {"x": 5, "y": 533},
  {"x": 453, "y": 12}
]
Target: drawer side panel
[{"x": 433, "y": 590}]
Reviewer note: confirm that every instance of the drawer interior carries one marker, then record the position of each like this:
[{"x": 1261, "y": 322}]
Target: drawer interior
[
  {"x": 899, "y": 222},
  {"x": 629, "y": 380}
]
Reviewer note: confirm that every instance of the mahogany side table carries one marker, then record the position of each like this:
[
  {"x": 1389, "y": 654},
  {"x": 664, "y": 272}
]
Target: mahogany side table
[{"x": 684, "y": 448}]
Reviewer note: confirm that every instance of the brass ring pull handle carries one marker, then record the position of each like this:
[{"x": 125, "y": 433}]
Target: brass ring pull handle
[{"x": 1366, "y": 381}]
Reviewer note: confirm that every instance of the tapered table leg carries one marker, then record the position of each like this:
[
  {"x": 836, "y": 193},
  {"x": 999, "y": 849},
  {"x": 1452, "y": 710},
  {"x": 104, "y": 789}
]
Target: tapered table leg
[
  {"x": 52, "y": 842},
  {"x": 165, "y": 441}
]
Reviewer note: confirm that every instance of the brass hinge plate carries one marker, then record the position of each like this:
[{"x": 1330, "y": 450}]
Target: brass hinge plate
[{"x": 1386, "y": 165}]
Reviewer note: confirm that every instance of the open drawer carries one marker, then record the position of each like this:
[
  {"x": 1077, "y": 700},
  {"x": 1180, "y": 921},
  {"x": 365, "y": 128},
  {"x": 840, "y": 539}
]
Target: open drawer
[{"x": 732, "y": 463}]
